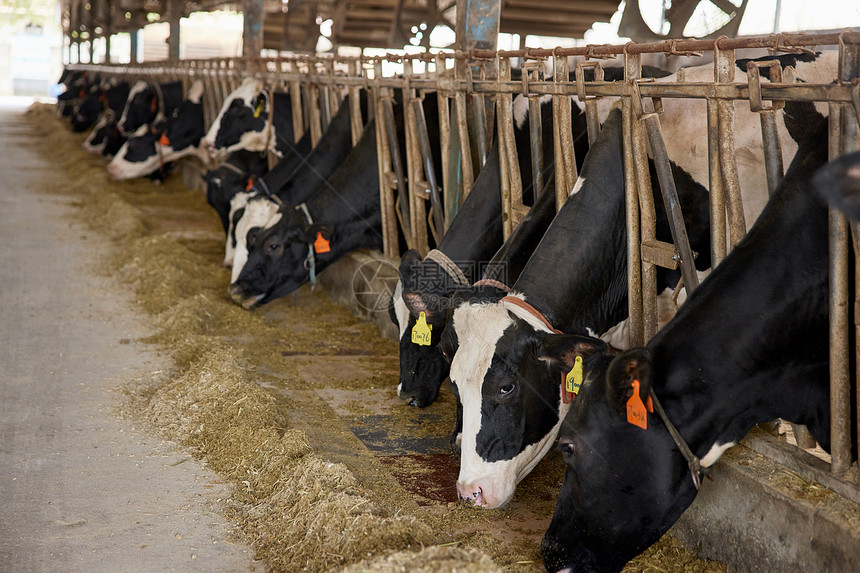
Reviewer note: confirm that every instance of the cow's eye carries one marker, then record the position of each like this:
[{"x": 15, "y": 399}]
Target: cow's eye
[
  {"x": 567, "y": 448},
  {"x": 507, "y": 389},
  {"x": 274, "y": 246}
]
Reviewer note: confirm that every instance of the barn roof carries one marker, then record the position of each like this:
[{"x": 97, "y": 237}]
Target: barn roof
[{"x": 293, "y": 25}]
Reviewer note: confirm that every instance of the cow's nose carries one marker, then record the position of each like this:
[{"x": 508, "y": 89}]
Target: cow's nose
[{"x": 472, "y": 493}]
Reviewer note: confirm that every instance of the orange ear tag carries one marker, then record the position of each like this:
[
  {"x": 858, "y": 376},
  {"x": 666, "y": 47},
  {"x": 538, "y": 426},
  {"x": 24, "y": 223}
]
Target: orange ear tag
[
  {"x": 164, "y": 140},
  {"x": 321, "y": 244},
  {"x": 249, "y": 185},
  {"x": 154, "y": 105},
  {"x": 636, "y": 412}
]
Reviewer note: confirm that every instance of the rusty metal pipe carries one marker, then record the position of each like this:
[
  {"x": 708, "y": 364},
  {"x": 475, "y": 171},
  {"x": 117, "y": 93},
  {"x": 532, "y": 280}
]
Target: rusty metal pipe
[
  {"x": 772, "y": 151},
  {"x": 429, "y": 169},
  {"x": 717, "y": 193},
  {"x": 396, "y": 159}
]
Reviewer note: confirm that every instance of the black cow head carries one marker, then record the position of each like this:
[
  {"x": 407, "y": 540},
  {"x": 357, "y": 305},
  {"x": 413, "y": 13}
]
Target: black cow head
[
  {"x": 140, "y": 109},
  {"x": 624, "y": 486},
  {"x": 243, "y": 121},
  {"x": 421, "y": 290},
  {"x": 277, "y": 255},
  {"x": 86, "y": 110},
  {"x": 165, "y": 141},
  {"x": 233, "y": 176}
]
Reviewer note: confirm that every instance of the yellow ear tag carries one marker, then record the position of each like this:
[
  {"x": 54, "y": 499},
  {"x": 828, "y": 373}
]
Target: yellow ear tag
[
  {"x": 259, "y": 110},
  {"x": 421, "y": 331},
  {"x": 573, "y": 380}
]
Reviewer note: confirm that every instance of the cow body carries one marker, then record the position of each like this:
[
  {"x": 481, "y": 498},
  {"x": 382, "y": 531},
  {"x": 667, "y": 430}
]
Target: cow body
[
  {"x": 172, "y": 138},
  {"x": 345, "y": 211},
  {"x": 426, "y": 287},
  {"x": 292, "y": 185},
  {"x": 235, "y": 174},
  {"x": 512, "y": 406},
  {"x": 750, "y": 345},
  {"x": 116, "y": 97}
]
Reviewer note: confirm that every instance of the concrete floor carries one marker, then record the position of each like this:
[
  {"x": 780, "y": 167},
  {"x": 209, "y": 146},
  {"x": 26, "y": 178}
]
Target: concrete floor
[{"x": 81, "y": 490}]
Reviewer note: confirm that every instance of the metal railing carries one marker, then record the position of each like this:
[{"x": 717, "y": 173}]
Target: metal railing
[{"x": 420, "y": 203}]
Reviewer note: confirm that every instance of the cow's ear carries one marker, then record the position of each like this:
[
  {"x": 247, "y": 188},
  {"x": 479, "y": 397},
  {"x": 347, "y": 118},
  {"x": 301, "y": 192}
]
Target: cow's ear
[
  {"x": 318, "y": 235},
  {"x": 251, "y": 237},
  {"x": 560, "y": 351},
  {"x": 628, "y": 366},
  {"x": 409, "y": 258}
]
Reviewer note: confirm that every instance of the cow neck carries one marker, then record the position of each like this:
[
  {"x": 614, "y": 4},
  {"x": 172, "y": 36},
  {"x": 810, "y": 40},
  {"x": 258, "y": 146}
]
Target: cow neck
[
  {"x": 577, "y": 275},
  {"x": 518, "y": 302},
  {"x": 310, "y": 261},
  {"x": 771, "y": 306},
  {"x": 508, "y": 262}
]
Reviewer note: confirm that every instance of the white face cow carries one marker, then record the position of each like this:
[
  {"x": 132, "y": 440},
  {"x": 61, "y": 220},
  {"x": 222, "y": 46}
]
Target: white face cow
[
  {"x": 242, "y": 123},
  {"x": 247, "y": 212}
]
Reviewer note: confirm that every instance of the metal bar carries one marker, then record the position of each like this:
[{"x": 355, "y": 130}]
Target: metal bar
[
  {"x": 724, "y": 63},
  {"x": 479, "y": 112},
  {"x": 356, "y": 121},
  {"x": 671, "y": 202},
  {"x": 314, "y": 114},
  {"x": 536, "y": 144},
  {"x": 562, "y": 138},
  {"x": 389, "y": 126},
  {"x": 416, "y": 185},
  {"x": 296, "y": 105},
  {"x": 429, "y": 170},
  {"x": 448, "y": 187},
  {"x": 770, "y": 140},
  {"x": 637, "y": 229},
  {"x": 717, "y": 192},
  {"x": 504, "y": 117},
  {"x": 468, "y": 177},
  {"x": 390, "y": 243}
]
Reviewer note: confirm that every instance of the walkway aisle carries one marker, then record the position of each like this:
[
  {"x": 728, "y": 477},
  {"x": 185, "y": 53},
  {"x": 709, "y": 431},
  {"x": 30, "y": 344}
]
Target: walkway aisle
[{"x": 81, "y": 490}]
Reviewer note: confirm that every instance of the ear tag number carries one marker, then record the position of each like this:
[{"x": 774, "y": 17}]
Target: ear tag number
[
  {"x": 321, "y": 244},
  {"x": 636, "y": 412},
  {"x": 573, "y": 380},
  {"x": 421, "y": 331},
  {"x": 259, "y": 110},
  {"x": 164, "y": 140}
]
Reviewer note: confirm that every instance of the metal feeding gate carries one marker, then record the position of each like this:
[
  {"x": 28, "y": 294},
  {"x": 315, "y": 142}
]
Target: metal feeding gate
[{"x": 475, "y": 91}]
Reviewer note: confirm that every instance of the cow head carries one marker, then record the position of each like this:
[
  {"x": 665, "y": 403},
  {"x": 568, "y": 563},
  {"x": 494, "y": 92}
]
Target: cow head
[
  {"x": 86, "y": 110},
  {"x": 249, "y": 213},
  {"x": 243, "y": 122},
  {"x": 233, "y": 176},
  {"x": 277, "y": 255},
  {"x": 624, "y": 485},
  {"x": 141, "y": 108},
  {"x": 511, "y": 396},
  {"x": 167, "y": 140},
  {"x": 423, "y": 367}
]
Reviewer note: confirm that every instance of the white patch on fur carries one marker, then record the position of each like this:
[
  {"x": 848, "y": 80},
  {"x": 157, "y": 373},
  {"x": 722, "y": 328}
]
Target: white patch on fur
[
  {"x": 247, "y": 91},
  {"x": 103, "y": 120},
  {"x": 195, "y": 93},
  {"x": 138, "y": 87},
  {"x": 401, "y": 312},
  {"x": 521, "y": 108},
  {"x": 479, "y": 328},
  {"x": 580, "y": 181},
  {"x": 238, "y": 201},
  {"x": 259, "y": 212},
  {"x": 716, "y": 451}
]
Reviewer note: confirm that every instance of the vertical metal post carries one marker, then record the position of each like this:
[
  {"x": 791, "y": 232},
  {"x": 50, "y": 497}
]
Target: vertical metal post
[
  {"x": 717, "y": 194},
  {"x": 465, "y": 154},
  {"x": 634, "y": 149},
  {"x": 448, "y": 186},
  {"x": 296, "y": 105},
  {"x": 724, "y": 62},
  {"x": 133, "y": 43},
  {"x": 174, "y": 14},
  {"x": 390, "y": 244},
  {"x": 767, "y": 115},
  {"x": 562, "y": 136},
  {"x": 356, "y": 122},
  {"x": 252, "y": 28},
  {"x": 415, "y": 186}
]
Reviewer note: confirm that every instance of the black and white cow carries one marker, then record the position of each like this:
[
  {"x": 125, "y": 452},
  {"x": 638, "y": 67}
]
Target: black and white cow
[
  {"x": 115, "y": 98},
  {"x": 472, "y": 239},
  {"x": 175, "y": 136},
  {"x": 235, "y": 174},
  {"x": 91, "y": 107},
  {"x": 147, "y": 103},
  {"x": 76, "y": 84},
  {"x": 496, "y": 335},
  {"x": 576, "y": 278},
  {"x": 291, "y": 186},
  {"x": 345, "y": 212},
  {"x": 750, "y": 345},
  {"x": 244, "y": 123}
]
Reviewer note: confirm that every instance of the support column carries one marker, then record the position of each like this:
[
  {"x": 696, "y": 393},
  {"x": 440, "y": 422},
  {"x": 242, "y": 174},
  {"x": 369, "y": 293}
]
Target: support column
[
  {"x": 252, "y": 28},
  {"x": 133, "y": 47},
  {"x": 174, "y": 14},
  {"x": 478, "y": 24}
]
